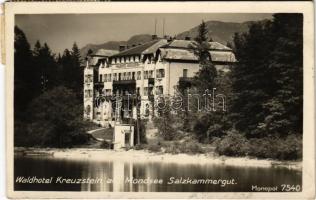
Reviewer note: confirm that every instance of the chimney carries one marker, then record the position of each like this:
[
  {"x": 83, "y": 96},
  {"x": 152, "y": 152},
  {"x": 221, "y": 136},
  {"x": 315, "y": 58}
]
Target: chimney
[
  {"x": 168, "y": 38},
  {"x": 154, "y": 37},
  {"x": 122, "y": 48},
  {"x": 187, "y": 38}
]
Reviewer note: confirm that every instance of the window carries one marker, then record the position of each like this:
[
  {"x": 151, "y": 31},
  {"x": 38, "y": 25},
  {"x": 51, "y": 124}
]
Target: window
[
  {"x": 146, "y": 75},
  {"x": 139, "y": 75},
  {"x": 105, "y": 77},
  {"x": 124, "y": 76},
  {"x": 114, "y": 76},
  {"x": 88, "y": 78},
  {"x": 133, "y": 75},
  {"x": 120, "y": 76},
  {"x": 185, "y": 73},
  {"x": 151, "y": 74},
  {"x": 160, "y": 73},
  {"x": 109, "y": 77},
  {"x": 129, "y": 77},
  {"x": 108, "y": 92},
  {"x": 145, "y": 91},
  {"x": 88, "y": 93},
  {"x": 159, "y": 90},
  {"x": 100, "y": 78}
]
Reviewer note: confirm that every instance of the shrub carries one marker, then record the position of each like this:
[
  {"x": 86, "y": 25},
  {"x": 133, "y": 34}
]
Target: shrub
[
  {"x": 105, "y": 145},
  {"x": 142, "y": 131},
  {"x": 191, "y": 147},
  {"x": 154, "y": 148},
  {"x": 164, "y": 125},
  {"x": 233, "y": 144},
  {"x": 173, "y": 148},
  {"x": 289, "y": 148},
  {"x": 55, "y": 120}
]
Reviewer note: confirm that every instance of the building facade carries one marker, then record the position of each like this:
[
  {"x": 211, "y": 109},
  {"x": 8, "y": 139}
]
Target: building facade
[{"x": 141, "y": 74}]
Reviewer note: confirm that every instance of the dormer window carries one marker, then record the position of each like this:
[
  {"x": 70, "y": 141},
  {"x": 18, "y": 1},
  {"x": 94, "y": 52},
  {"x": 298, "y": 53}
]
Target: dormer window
[{"x": 137, "y": 59}]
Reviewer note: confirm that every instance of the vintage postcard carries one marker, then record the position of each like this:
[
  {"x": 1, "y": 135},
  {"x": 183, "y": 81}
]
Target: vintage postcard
[{"x": 160, "y": 99}]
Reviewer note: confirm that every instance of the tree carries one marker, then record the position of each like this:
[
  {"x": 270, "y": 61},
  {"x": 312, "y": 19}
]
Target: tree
[
  {"x": 26, "y": 76},
  {"x": 204, "y": 79},
  {"x": 72, "y": 70},
  {"x": 285, "y": 106},
  {"x": 165, "y": 120},
  {"x": 55, "y": 119},
  {"x": 45, "y": 62},
  {"x": 267, "y": 81},
  {"x": 78, "y": 70}
]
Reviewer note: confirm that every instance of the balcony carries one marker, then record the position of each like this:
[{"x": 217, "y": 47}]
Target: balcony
[
  {"x": 99, "y": 85},
  {"x": 151, "y": 81},
  {"x": 185, "y": 82},
  {"x": 124, "y": 82}
]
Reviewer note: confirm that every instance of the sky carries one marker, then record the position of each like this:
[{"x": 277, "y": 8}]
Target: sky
[{"x": 60, "y": 31}]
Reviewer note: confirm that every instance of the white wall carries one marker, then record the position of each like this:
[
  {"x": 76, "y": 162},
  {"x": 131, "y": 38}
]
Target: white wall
[
  {"x": 176, "y": 71},
  {"x": 119, "y": 135}
]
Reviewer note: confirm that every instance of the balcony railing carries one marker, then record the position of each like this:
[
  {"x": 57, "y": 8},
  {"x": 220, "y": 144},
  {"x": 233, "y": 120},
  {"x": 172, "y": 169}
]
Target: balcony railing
[{"x": 124, "y": 82}]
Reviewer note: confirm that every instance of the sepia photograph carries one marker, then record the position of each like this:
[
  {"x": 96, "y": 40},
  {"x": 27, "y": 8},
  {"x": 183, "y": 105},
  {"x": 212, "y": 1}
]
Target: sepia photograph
[{"x": 173, "y": 102}]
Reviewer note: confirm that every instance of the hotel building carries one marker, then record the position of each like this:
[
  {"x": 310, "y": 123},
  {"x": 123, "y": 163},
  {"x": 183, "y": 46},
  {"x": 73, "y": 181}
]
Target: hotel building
[{"x": 146, "y": 71}]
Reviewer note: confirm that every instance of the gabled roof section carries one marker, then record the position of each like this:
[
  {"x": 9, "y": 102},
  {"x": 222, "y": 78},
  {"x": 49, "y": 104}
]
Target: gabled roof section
[
  {"x": 189, "y": 44},
  {"x": 218, "y": 46},
  {"x": 101, "y": 53},
  {"x": 177, "y": 54},
  {"x": 185, "y": 44},
  {"x": 147, "y": 47},
  {"x": 155, "y": 46},
  {"x": 223, "y": 56},
  {"x": 105, "y": 53}
]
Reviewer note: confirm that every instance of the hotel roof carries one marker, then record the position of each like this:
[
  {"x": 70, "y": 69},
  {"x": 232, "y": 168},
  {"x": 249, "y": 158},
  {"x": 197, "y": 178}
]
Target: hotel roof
[
  {"x": 146, "y": 48},
  {"x": 188, "y": 44},
  {"x": 101, "y": 53},
  {"x": 188, "y": 55}
]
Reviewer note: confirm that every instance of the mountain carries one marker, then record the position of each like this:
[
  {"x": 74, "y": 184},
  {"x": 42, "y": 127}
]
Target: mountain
[
  {"x": 114, "y": 45},
  {"x": 219, "y": 31}
]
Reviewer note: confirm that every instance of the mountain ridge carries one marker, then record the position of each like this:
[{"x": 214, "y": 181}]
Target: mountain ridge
[{"x": 219, "y": 31}]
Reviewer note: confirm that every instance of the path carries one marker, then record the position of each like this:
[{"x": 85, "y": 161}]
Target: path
[{"x": 102, "y": 134}]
